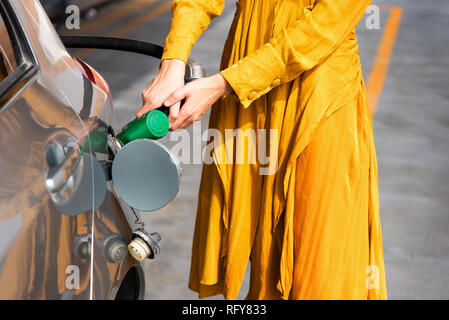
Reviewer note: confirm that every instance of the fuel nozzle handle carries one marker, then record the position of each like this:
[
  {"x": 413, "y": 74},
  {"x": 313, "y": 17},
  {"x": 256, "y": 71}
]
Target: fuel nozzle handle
[
  {"x": 166, "y": 110},
  {"x": 194, "y": 71},
  {"x": 154, "y": 124}
]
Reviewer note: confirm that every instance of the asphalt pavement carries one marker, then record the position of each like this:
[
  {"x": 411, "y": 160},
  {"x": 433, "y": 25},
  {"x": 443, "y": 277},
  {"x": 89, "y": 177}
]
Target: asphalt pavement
[{"x": 406, "y": 67}]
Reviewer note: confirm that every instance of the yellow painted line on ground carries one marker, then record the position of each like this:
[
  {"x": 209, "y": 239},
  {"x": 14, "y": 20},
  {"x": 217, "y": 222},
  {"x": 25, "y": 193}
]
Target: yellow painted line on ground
[
  {"x": 128, "y": 28},
  {"x": 382, "y": 61}
]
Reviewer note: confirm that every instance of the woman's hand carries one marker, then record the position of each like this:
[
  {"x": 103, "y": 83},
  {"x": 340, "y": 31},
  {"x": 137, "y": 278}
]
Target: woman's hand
[
  {"x": 200, "y": 95},
  {"x": 169, "y": 78}
]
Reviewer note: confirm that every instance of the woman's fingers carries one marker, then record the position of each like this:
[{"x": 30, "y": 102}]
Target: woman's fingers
[
  {"x": 183, "y": 114},
  {"x": 200, "y": 95},
  {"x": 186, "y": 115},
  {"x": 174, "y": 102},
  {"x": 187, "y": 122},
  {"x": 169, "y": 78},
  {"x": 176, "y": 96},
  {"x": 174, "y": 113},
  {"x": 149, "y": 103},
  {"x": 189, "y": 113}
]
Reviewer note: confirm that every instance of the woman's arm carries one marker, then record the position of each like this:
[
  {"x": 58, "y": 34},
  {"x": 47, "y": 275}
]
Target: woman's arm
[
  {"x": 190, "y": 19},
  {"x": 299, "y": 48}
]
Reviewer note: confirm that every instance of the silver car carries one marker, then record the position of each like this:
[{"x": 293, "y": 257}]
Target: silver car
[{"x": 63, "y": 231}]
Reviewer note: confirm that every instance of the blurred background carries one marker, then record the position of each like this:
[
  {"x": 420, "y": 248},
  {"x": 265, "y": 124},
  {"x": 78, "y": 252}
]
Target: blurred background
[{"x": 405, "y": 62}]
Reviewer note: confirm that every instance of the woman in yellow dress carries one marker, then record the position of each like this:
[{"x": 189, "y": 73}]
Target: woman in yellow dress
[{"x": 311, "y": 228}]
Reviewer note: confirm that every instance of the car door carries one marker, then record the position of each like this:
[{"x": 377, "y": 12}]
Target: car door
[{"x": 45, "y": 239}]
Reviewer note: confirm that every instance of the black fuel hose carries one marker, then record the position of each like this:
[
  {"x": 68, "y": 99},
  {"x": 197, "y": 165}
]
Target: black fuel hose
[
  {"x": 119, "y": 44},
  {"x": 110, "y": 43}
]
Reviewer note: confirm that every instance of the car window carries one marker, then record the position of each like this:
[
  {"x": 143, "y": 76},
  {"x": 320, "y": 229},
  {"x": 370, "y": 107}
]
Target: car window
[
  {"x": 17, "y": 63},
  {"x": 8, "y": 61}
]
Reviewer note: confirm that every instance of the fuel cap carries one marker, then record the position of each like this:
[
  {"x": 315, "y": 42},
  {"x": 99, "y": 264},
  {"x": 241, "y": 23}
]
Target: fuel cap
[{"x": 146, "y": 175}]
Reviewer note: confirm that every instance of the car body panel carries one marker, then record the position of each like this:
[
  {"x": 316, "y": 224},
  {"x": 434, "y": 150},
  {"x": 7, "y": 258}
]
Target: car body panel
[{"x": 40, "y": 255}]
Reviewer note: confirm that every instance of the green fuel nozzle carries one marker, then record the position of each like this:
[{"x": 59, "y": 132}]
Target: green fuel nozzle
[{"x": 152, "y": 125}]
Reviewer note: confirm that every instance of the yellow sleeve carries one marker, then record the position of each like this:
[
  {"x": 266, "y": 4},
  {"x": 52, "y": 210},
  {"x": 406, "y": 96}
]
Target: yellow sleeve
[
  {"x": 296, "y": 49},
  {"x": 190, "y": 19}
]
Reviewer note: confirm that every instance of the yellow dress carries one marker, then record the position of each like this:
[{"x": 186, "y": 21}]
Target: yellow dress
[{"x": 311, "y": 227}]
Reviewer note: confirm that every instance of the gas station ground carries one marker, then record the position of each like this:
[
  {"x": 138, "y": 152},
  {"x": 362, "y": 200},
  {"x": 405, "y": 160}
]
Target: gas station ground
[{"x": 406, "y": 68}]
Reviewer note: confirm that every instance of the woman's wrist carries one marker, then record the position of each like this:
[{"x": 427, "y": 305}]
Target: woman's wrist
[
  {"x": 172, "y": 68},
  {"x": 177, "y": 63},
  {"x": 222, "y": 85}
]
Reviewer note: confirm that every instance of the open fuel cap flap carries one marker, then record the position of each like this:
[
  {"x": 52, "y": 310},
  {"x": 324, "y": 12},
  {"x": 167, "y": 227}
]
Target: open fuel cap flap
[{"x": 146, "y": 175}]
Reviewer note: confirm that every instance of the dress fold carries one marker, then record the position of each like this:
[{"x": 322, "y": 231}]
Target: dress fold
[{"x": 311, "y": 227}]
